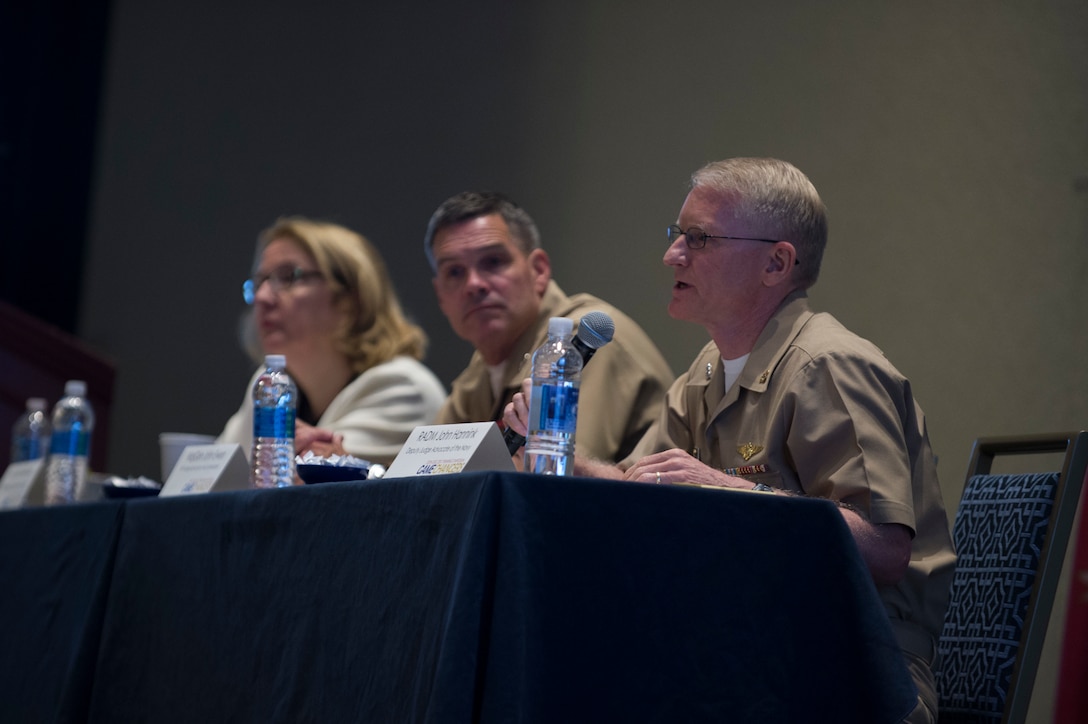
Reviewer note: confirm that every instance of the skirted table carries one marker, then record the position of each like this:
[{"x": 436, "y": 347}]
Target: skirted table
[{"x": 484, "y": 597}]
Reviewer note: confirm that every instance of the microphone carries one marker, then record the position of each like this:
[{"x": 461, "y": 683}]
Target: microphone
[{"x": 595, "y": 330}]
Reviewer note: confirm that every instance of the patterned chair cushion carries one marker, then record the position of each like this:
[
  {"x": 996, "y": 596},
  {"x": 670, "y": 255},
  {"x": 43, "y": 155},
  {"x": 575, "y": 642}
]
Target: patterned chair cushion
[{"x": 999, "y": 532}]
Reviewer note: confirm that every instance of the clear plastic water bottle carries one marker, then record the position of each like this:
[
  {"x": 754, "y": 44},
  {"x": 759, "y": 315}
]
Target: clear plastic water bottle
[
  {"x": 69, "y": 446},
  {"x": 274, "y": 399},
  {"x": 553, "y": 407},
  {"x": 30, "y": 433}
]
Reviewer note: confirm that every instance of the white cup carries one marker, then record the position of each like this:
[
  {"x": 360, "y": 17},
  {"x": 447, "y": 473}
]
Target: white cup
[{"x": 172, "y": 444}]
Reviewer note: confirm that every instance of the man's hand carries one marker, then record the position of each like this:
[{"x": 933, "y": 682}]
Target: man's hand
[
  {"x": 676, "y": 466},
  {"x": 516, "y": 414}
]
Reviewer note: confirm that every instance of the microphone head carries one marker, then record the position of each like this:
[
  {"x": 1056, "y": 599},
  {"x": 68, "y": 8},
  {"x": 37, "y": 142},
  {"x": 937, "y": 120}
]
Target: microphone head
[{"x": 595, "y": 329}]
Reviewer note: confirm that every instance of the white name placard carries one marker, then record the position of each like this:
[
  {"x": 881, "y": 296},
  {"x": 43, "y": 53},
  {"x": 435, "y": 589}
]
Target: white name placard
[
  {"x": 23, "y": 484},
  {"x": 207, "y": 468},
  {"x": 442, "y": 449}
]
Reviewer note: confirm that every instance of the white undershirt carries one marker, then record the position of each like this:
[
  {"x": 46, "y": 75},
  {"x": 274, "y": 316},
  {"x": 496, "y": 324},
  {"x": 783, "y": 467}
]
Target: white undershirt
[{"x": 732, "y": 369}]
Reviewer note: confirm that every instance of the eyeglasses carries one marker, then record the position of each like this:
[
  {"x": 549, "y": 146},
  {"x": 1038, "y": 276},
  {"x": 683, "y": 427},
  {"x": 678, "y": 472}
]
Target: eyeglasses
[
  {"x": 696, "y": 238},
  {"x": 280, "y": 279}
]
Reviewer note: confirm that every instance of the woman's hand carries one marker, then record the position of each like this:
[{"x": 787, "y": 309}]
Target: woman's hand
[{"x": 317, "y": 440}]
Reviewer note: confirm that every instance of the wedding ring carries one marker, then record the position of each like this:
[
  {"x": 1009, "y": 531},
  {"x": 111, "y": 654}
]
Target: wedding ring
[{"x": 659, "y": 478}]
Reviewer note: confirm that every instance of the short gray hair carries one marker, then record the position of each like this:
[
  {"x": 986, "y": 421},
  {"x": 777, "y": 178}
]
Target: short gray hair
[{"x": 774, "y": 200}]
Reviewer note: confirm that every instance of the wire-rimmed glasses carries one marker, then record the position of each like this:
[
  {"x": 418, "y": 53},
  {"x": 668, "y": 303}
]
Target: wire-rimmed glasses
[{"x": 281, "y": 278}]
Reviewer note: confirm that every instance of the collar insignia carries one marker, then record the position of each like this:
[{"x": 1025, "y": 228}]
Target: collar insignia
[
  {"x": 748, "y": 449},
  {"x": 709, "y": 370}
]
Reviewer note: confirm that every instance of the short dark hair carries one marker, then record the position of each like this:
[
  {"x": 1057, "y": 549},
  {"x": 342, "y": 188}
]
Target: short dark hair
[{"x": 474, "y": 204}]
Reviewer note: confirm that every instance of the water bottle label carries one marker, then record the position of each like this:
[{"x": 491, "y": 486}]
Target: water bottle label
[
  {"x": 277, "y": 422},
  {"x": 74, "y": 442},
  {"x": 555, "y": 408}
]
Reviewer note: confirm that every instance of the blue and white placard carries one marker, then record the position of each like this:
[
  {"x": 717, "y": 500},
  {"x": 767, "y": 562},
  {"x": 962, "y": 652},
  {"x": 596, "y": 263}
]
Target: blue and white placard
[
  {"x": 208, "y": 468},
  {"x": 23, "y": 484},
  {"x": 442, "y": 449}
]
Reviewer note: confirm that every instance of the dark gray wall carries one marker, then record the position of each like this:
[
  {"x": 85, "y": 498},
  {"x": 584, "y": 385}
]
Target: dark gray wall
[{"x": 948, "y": 140}]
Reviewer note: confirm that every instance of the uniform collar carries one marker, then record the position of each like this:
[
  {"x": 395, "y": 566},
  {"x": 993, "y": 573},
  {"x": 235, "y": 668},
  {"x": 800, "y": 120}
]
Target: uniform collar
[
  {"x": 774, "y": 340},
  {"x": 475, "y": 379},
  {"x": 770, "y": 347},
  {"x": 554, "y": 303}
]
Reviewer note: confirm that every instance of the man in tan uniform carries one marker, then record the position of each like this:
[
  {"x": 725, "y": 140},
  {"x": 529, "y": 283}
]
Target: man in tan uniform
[
  {"x": 493, "y": 282},
  {"x": 790, "y": 402}
]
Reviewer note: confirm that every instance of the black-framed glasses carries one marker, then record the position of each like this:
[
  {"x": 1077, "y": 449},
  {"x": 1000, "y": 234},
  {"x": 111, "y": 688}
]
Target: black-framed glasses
[
  {"x": 281, "y": 278},
  {"x": 696, "y": 238}
]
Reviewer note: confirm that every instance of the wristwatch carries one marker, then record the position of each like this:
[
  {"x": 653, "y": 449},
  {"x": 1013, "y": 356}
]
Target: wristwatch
[{"x": 761, "y": 488}]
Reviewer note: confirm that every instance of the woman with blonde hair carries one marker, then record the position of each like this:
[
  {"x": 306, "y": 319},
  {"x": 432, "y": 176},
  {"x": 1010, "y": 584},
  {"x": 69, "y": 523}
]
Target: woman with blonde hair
[{"x": 320, "y": 295}]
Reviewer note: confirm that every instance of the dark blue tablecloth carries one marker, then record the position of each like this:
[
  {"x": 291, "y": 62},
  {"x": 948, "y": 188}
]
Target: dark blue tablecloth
[
  {"x": 484, "y": 598},
  {"x": 55, "y": 569}
]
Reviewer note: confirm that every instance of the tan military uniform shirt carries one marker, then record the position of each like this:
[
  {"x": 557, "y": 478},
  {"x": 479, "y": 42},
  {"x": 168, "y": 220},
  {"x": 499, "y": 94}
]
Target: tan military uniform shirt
[
  {"x": 622, "y": 386},
  {"x": 820, "y": 411}
]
